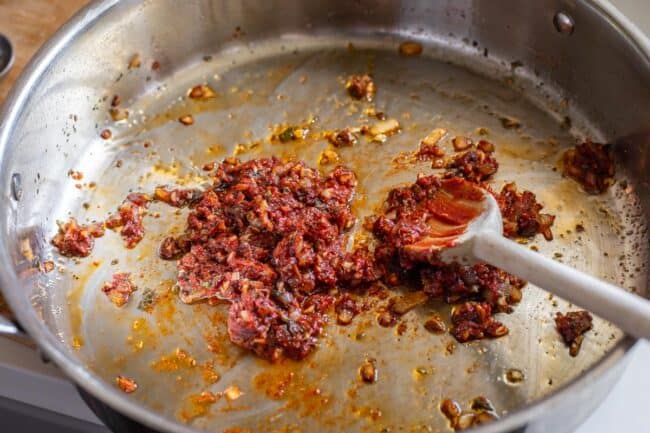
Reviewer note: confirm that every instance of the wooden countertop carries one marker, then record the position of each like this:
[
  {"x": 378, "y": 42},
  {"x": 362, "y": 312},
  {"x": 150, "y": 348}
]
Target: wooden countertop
[{"x": 27, "y": 24}]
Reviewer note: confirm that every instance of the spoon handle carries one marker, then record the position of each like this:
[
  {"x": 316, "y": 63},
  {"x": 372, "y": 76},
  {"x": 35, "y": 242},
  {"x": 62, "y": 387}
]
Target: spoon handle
[{"x": 629, "y": 312}]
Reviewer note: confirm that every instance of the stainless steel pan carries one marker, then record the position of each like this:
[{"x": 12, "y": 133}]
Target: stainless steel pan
[{"x": 566, "y": 69}]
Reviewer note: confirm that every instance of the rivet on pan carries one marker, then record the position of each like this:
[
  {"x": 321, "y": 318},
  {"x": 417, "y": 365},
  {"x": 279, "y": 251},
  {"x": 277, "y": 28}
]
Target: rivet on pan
[
  {"x": 16, "y": 186},
  {"x": 563, "y": 23},
  {"x": 44, "y": 358}
]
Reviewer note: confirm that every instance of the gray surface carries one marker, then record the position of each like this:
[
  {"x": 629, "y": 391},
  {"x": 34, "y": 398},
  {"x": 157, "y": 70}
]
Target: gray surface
[
  {"x": 638, "y": 11},
  {"x": 626, "y": 408},
  {"x": 22, "y": 418}
]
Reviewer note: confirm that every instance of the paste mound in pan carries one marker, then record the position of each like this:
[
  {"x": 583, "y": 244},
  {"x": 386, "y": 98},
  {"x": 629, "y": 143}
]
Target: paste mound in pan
[{"x": 269, "y": 237}]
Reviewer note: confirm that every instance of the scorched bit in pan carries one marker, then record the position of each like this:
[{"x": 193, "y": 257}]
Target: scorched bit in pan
[
  {"x": 590, "y": 164},
  {"x": 474, "y": 321},
  {"x": 361, "y": 87},
  {"x": 474, "y": 165},
  {"x": 342, "y": 138},
  {"x": 572, "y": 326},
  {"x": 481, "y": 411},
  {"x": 521, "y": 214}
]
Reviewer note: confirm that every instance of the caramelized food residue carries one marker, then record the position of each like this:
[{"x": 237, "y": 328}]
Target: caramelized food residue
[
  {"x": 125, "y": 384},
  {"x": 368, "y": 371},
  {"x": 361, "y": 87},
  {"x": 48, "y": 266},
  {"x": 343, "y": 138},
  {"x": 274, "y": 384},
  {"x": 74, "y": 240},
  {"x": 202, "y": 92},
  {"x": 428, "y": 152},
  {"x": 382, "y": 129},
  {"x": 178, "y": 360},
  {"x": 232, "y": 393},
  {"x": 208, "y": 373},
  {"x": 435, "y": 324},
  {"x": 176, "y": 197},
  {"x": 521, "y": 214},
  {"x": 186, "y": 120},
  {"x": 328, "y": 157},
  {"x": 461, "y": 143},
  {"x": 135, "y": 61},
  {"x": 129, "y": 218},
  {"x": 76, "y": 175},
  {"x": 474, "y": 165},
  {"x": 198, "y": 405},
  {"x": 410, "y": 49},
  {"x": 481, "y": 411},
  {"x": 118, "y": 114},
  {"x": 119, "y": 289},
  {"x": 572, "y": 326},
  {"x": 510, "y": 122},
  {"x": 346, "y": 308},
  {"x": 473, "y": 321},
  {"x": 590, "y": 164}
]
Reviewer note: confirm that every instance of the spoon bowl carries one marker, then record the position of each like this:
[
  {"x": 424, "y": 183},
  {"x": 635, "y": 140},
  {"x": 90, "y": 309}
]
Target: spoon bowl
[{"x": 483, "y": 241}]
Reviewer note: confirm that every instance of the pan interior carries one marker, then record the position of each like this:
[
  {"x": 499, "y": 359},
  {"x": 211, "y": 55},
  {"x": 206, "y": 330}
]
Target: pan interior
[{"x": 289, "y": 83}]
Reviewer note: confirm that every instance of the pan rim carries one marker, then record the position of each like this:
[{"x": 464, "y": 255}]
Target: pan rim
[{"x": 84, "y": 378}]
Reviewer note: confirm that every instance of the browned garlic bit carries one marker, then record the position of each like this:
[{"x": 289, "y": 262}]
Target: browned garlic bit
[
  {"x": 343, "y": 138},
  {"x": 383, "y": 129},
  {"x": 186, "y": 120},
  {"x": 232, "y": 393},
  {"x": 410, "y": 49},
  {"x": 118, "y": 114},
  {"x": 462, "y": 143},
  {"x": 361, "y": 87},
  {"x": 135, "y": 61},
  {"x": 435, "y": 324},
  {"x": 510, "y": 122},
  {"x": 328, "y": 157},
  {"x": 591, "y": 165},
  {"x": 201, "y": 92},
  {"x": 368, "y": 371},
  {"x": 572, "y": 326},
  {"x": 125, "y": 384},
  {"x": 434, "y": 136},
  {"x": 481, "y": 412},
  {"x": 48, "y": 266}
]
